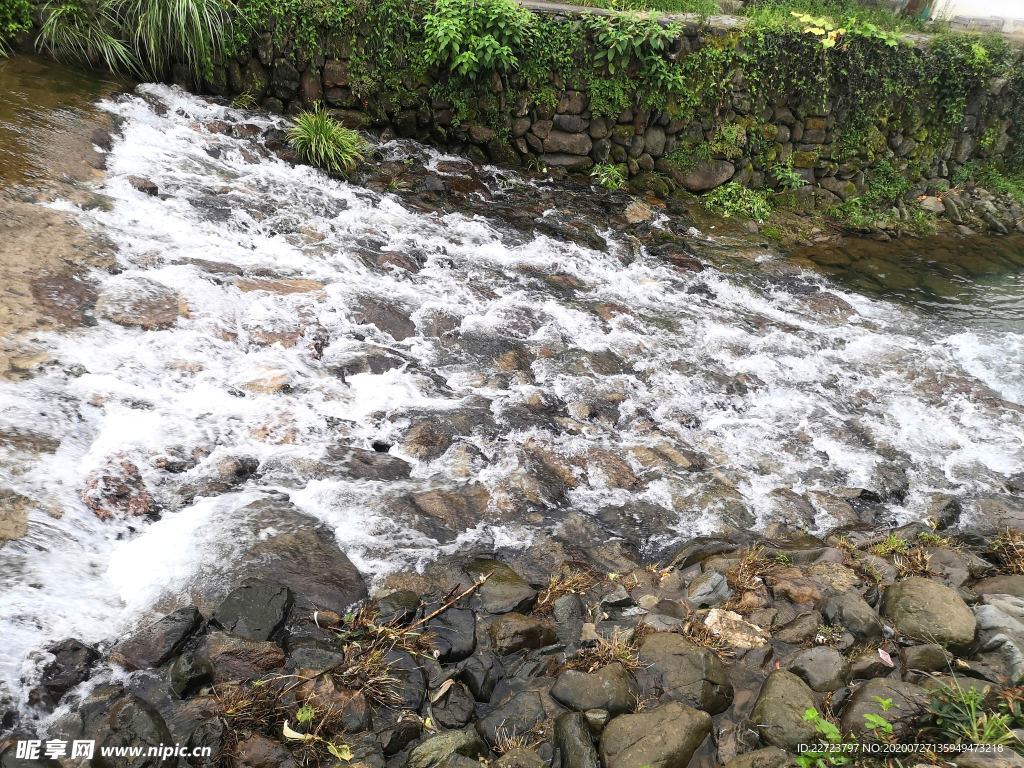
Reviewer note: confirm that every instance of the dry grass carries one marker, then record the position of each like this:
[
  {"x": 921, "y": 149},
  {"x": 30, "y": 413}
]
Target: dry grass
[
  {"x": 573, "y": 578},
  {"x": 916, "y": 562},
  {"x": 698, "y": 633},
  {"x": 750, "y": 573},
  {"x": 606, "y": 652},
  {"x": 506, "y": 739},
  {"x": 1009, "y": 548}
]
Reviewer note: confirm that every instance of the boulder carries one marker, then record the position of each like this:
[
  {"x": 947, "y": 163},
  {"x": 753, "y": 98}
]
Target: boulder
[
  {"x": 157, "y": 643},
  {"x": 514, "y": 632},
  {"x": 927, "y": 658},
  {"x": 929, "y": 611},
  {"x": 386, "y": 317},
  {"x": 481, "y": 674},
  {"x": 398, "y": 608},
  {"x": 131, "y": 722},
  {"x": 908, "y": 703},
  {"x": 435, "y": 750},
  {"x": 255, "y": 610},
  {"x": 559, "y": 141},
  {"x": 516, "y": 717},
  {"x": 1000, "y": 622},
  {"x": 1007, "y": 584},
  {"x": 238, "y": 658},
  {"x": 454, "y": 633},
  {"x": 780, "y": 708},
  {"x": 369, "y": 465},
  {"x": 454, "y": 708},
  {"x": 850, "y": 611},
  {"x": 706, "y": 175},
  {"x": 769, "y": 757},
  {"x": 72, "y": 664},
  {"x": 188, "y": 674},
  {"x": 572, "y": 735},
  {"x": 257, "y": 751},
  {"x": 686, "y": 672},
  {"x": 709, "y": 588},
  {"x": 822, "y": 668},
  {"x": 665, "y": 737},
  {"x": 504, "y": 591},
  {"x": 410, "y": 680},
  {"x": 520, "y": 758},
  {"x": 801, "y": 629},
  {"x": 610, "y": 688}
]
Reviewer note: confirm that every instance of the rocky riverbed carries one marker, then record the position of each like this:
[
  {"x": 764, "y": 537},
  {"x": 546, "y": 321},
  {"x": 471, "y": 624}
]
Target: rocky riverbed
[{"x": 287, "y": 417}]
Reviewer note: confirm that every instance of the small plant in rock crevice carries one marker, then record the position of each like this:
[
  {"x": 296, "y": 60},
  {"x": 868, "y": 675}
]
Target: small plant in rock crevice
[
  {"x": 609, "y": 176},
  {"x": 322, "y": 141}
]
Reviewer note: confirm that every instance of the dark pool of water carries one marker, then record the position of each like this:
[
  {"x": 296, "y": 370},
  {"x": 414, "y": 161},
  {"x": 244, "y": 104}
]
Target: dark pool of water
[{"x": 976, "y": 281}]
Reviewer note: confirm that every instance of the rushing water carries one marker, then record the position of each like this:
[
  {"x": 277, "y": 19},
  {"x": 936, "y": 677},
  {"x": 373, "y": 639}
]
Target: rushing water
[{"x": 675, "y": 402}]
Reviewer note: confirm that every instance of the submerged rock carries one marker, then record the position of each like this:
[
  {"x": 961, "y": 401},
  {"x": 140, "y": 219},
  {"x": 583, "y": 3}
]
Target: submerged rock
[
  {"x": 156, "y": 644},
  {"x": 72, "y": 664}
]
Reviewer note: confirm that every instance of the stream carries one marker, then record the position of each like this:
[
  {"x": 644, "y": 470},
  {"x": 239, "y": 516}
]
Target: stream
[{"x": 424, "y": 381}]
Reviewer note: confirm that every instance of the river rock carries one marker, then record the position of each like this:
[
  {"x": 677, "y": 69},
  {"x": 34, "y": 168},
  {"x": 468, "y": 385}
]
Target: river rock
[
  {"x": 454, "y": 633},
  {"x": 1007, "y": 584},
  {"x": 908, "y": 703},
  {"x": 481, "y": 673},
  {"x": 709, "y": 588},
  {"x": 769, "y": 757},
  {"x": 665, "y": 737},
  {"x": 369, "y": 465},
  {"x": 707, "y": 174},
  {"x": 238, "y": 658},
  {"x": 780, "y": 708},
  {"x": 610, "y": 688},
  {"x": 929, "y": 611},
  {"x": 386, "y": 317},
  {"x": 791, "y": 584},
  {"x": 520, "y": 758},
  {"x": 398, "y": 608},
  {"x": 927, "y": 658},
  {"x": 514, "y": 632},
  {"x": 158, "y": 643},
  {"x": 516, "y": 717},
  {"x": 138, "y": 303},
  {"x": 686, "y": 672},
  {"x": 13, "y": 516},
  {"x": 850, "y": 611},
  {"x": 505, "y": 591},
  {"x": 801, "y": 629},
  {"x": 697, "y": 550},
  {"x": 572, "y": 735},
  {"x": 570, "y": 615},
  {"x": 411, "y": 681},
  {"x": 822, "y": 668},
  {"x": 188, "y": 674},
  {"x": 294, "y": 550},
  {"x": 455, "y": 707},
  {"x": 435, "y": 750},
  {"x": 255, "y": 609},
  {"x": 1000, "y": 621},
  {"x": 868, "y": 665},
  {"x": 131, "y": 722},
  {"x": 257, "y": 751},
  {"x": 72, "y": 664}
]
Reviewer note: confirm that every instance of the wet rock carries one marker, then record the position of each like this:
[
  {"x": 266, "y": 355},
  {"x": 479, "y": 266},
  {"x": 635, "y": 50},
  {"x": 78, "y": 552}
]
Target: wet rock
[
  {"x": 868, "y": 665},
  {"x": 325, "y": 692},
  {"x": 72, "y": 664},
  {"x": 709, "y": 588},
  {"x": 257, "y": 751},
  {"x": 926, "y": 658},
  {"x": 780, "y": 708},
  {"x": 517, "y": 717},
  {"x": 158, "y": 643},
  {"x": 791, "y": 584},
  {"x": 454, "y": 708},
  {"x": 686, "y": 672},
  {"x": 908, "y": 703},
  {"x": 402, "y": 733},
  {"x": 665, "y": 737},
  {"x": 295, "y": 550},
  {"x": 369, "y": 465},
  {"x": 209, "y": 734},
  {"x": 137, "y": 302},
  {"x": 1000, "y": 621},
  {"x": 427, "y": 440},
  {"x": 993, "y": 514},
  {"x": 398, "y": 608},
  {"x": 131, "y": 722},
  {"x": 255, "y": 610},
  {"x": 188, "y": 674},
  {"x": 384, "y": 316},
  {"x": 611, "y": 688},
  {"x": 929, "y": 611},
  {"x": 572, "y": 735},
  {"x": 117, "y": 489},
  {"x": 504, "y": 591},
  {"x": 521, "y": 758},
  {"x": 570, "y": 615},
  {"x": 455, "y": 632},
  {"x": 769, "y": 757},
  {"x": 707, "y": 174},
  {"x": 481, "y": 674},
  {"x": 514, "y": 632},
  {"x": 697, "y": 550},
  {"x": 411, "y": 682},
  {"x": 68, "y": 301},
  {"x": 144, "y": 185},
  {"x": 848, "y": 610},
  {"x": 238, "y": 658},
  {"x": 822, "y": 668},
  {"x": 435, "y": 750},
  {"x": 801, "y": 629}
]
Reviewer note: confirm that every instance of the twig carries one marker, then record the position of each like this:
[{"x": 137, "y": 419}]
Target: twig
[{"x": 479, "y": 583}]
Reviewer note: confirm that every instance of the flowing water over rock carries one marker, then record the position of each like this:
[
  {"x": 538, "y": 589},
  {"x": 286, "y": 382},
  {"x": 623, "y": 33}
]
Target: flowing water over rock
[{"x": 421, "y": 381}]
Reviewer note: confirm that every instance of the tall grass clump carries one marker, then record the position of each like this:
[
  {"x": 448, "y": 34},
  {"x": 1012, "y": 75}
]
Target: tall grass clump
[
  {"x": 86, "y": 33},
  {"x": 322, "y": 141}
]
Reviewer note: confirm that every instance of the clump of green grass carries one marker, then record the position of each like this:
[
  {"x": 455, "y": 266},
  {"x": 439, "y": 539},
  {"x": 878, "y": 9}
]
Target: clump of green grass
[
  {"x": 86, "y": 33},
  {"x": 322, "y": 141},
  {"x": 609, "y": 176},
  {"x": 734, "y": 199}
]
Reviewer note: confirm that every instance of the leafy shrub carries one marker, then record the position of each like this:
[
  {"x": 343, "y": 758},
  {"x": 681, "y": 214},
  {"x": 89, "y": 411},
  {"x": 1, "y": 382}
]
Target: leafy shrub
[
  {"x": 474, "y": 37},
  {"x": 609, "y": 176},
  {"x": 734, "y": 199},
  {"x": 322, "y": 141},
  {"x": 15, "y": 17},
  {"x": 961, "y": 717}
]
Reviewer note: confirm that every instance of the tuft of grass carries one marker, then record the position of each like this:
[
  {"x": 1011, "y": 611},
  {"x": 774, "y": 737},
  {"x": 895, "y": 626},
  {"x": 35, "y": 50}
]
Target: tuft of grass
[
  {"x": 605, "y": 652},
  {"x": 699, "y": 633},
  {"x": 245, "y": 100},
  {"x": 828, "y": 635},
  {"x": 168, "y": 30},
  {"x": 322, "y": 141},
  {"x": 1009, "y": 548},
  {"x": 961, "y": 716},
  {"x": 609, "y": 176},
  {"x": 915, "y": 562},
  {"x": 572, "y": 579},
  {"x": 87, "y": 33},
  {"x": 506, "y": 739},
  {"x": 733, "y": 199},
  {"x": 890, "y": 545}
]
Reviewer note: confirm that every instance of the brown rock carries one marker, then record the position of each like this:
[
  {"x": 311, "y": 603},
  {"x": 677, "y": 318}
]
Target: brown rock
[
  {"x": 117, "y": 489},
  {"x": 13, "y": 516},
  {"x": 385, "y": 316},
  {"x": 237, "y": 658},
  {"x": 139, "y": 303},
  {"x": 791, "y": 584},
  {"x": 66, "y": 300}
]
